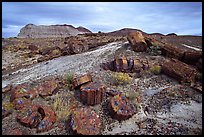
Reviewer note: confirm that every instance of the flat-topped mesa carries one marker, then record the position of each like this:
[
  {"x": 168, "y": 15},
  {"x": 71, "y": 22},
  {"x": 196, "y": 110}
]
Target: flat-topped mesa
[{"x": 46, "y": 31}]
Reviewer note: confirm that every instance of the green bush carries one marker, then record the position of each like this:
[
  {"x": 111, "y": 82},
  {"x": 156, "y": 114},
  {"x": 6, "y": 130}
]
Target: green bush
[
  {"x": 120, "y": 78},
  {"x": 69, "y": 78},
  {"x": 155, "y": 69}
]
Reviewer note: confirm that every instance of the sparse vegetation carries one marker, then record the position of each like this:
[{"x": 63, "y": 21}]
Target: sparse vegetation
[
  {"x": 61, "y": 107},
  {"x": 69, "y": 78},
  {"x": 120, "y": 78},
  {"x": 155, "y": 69}
]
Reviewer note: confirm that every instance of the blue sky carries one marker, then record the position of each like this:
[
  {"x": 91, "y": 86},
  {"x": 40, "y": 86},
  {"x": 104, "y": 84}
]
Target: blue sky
[{"x": 182, "y": 18}]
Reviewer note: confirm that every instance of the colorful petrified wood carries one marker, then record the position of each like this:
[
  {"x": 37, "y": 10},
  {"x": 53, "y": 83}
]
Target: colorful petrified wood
[
  {"x": 121, "y": 108},
  {"x": 47, "y": 88},
  {"x": 35, "y": 116},
  {"x": 78, "y": 81},
  {"x": 85, "y": 121},
  {"x": 179, "y": 70},
  {"x": 48, "y": 118},
  {"x": 126, "y": 65},
  {"x": 29, "y": 116},
  {"x": 92, "y": 93}
]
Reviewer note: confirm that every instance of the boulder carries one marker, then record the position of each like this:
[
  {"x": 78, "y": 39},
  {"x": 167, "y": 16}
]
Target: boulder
[
  {"x": 179, "y": 70},
  {"x": 137, "y": 41}
]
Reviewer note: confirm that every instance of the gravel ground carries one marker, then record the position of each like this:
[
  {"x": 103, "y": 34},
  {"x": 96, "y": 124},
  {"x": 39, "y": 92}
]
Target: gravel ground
[{"x": 161, "y": 110}]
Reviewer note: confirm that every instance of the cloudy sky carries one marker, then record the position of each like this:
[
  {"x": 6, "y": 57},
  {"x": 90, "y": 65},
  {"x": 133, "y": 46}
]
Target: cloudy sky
[{"x": 182, "y": 18}]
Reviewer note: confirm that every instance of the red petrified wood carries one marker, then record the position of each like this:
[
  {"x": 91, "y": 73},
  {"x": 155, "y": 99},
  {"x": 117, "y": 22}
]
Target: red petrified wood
[
  {"x": 85, "y": 121},
  {"x": 92, "y": 93},
  {"x": 78, "y": 81},
  {"x": 47, "y": 88},
  {"x": 120, "y": 107}
]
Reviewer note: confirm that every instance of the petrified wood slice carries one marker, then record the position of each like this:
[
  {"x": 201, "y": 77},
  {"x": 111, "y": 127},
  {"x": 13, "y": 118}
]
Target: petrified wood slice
[
  {"x": 92, "y": 93},
  {"x": 47, "y": 88},
  {"x": 179, "y": 70},
  {"x": 121, "y": 108},
  {"x": 85, "y": 121},
  {"x": 78, "y": 81}
]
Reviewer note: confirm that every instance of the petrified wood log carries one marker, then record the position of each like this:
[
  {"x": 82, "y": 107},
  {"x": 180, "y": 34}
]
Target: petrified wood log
[
  {"x": 172, "y": 52},
  {"x": 179, "y": 70},
  {"x": 78, "y": 81},
  {"x": 85, "y": 121},
  {"x": 120, "y": 64},
  {"x": 137, "y": 41},
  {"x": 92, "y": 93},
  {"x": 121, "y": 108},
  {"x": 191, "y": 57}
]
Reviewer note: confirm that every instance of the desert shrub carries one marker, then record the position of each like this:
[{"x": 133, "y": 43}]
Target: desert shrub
[
  {"x": 56, "y": 52},
  {"x": 61, "y": 107},
  {"x": 132, "y": 95},
  {"x": 69, "y": 78},
  {"x": 121, "y": 78},
  {"x": 156, "y": 69}
]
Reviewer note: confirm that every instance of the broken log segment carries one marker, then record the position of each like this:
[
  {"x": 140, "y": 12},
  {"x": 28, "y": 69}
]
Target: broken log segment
[
  {"x": 179, "y": 70},
  {"x": 92, "y": 93},
  {"x": 78, "y": 81},
  {"x": 121, "y": 108}
]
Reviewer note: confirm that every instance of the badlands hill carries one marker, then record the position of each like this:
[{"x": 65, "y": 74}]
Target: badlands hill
[{"x": 43, "y": 31}]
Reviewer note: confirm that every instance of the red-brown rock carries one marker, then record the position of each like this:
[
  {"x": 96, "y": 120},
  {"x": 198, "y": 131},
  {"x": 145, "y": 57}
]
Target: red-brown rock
[
  {"x": 47, "y": 88},
  {"x": 79, "y": 80},
  {"x": 92, "y": 93},
  {"x": 137, "y": 41},
  {"x": 179, "y": 70},
  {"x": 20, "y": 103},
  {"x": 85, "y": 121},
  {"x": 29, "y": 116},
  {"x": 121, "y": 108},
  {"x": 48, "y": 119},
  {"x": 18, "y": 92}
]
